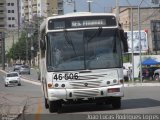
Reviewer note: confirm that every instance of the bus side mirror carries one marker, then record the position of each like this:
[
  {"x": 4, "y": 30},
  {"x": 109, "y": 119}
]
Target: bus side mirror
[
  {"x": 123, "y": 36},
  {"x": 42, "y": 45}
]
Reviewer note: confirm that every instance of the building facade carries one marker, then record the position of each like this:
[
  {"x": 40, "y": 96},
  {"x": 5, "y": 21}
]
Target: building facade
[
  {"x": 2, "y": 15},
  {"x": 16, "y": 14},
  {"x": 40, "y": 8},
  {"x": 147, "y": 14}
]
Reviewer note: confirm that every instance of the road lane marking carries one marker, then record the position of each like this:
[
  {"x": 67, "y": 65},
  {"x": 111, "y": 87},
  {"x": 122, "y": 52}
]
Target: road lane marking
[{"x": 39, "y": 110}]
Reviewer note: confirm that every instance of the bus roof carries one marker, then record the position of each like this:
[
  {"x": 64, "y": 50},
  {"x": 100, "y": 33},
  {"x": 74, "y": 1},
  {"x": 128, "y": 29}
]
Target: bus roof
[
  {"x": 78, "y": 14},
  {"x": 71, "y": 15}
]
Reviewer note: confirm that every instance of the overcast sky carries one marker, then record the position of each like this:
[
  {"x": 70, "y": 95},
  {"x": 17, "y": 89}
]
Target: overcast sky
[{"x": 101, "y": 5}]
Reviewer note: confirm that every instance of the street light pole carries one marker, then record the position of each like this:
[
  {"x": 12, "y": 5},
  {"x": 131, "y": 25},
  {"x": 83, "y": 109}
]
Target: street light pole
[
  {"x": 89, "y": 5},
  {"x": 140, "y": 47},
  {"x": 117, "y": 10},
  {"x": 74, "y": 4}
]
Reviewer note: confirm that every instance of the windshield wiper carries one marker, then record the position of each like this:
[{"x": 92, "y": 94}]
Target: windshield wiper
[
  {"x": 97, "y": 33},
  {"x": 69, "y": 41},
  {"x": 115, "y": 43}
]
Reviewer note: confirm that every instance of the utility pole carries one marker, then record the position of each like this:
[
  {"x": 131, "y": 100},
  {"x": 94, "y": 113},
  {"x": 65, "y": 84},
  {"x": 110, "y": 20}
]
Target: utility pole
[
  {"x": 131, "y": 27},
  {"x": 2, "y": 39},
  {"x": 140, "y": 46},
  {"x": 18, "y": 16}
]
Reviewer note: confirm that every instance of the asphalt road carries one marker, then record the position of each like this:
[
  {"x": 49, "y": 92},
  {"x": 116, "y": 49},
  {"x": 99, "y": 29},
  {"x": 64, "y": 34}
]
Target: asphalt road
[{"x": 137, "y": 100}]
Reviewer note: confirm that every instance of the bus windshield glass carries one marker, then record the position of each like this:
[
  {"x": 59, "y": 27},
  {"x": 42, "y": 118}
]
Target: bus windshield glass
[{"x": 83, "y": 49}]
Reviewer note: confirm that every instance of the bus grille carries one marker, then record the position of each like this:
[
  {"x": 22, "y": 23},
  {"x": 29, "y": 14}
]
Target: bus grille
[
  {"x": 85, "y": 84},
  {"x": 86, "y": 93}
]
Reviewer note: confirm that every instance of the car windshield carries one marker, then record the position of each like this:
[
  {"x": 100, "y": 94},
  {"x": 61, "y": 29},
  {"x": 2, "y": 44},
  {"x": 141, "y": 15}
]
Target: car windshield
[
  {"x": 24, "y": 66},
  {"x": 79, "y": 50},
  {"x": 12, "y": 75}
]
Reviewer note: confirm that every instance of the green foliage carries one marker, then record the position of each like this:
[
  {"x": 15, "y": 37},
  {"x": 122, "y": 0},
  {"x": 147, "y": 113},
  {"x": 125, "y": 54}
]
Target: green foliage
[
  {"x": 127, "y": 58},
  {"x": 18, "y": 50}
]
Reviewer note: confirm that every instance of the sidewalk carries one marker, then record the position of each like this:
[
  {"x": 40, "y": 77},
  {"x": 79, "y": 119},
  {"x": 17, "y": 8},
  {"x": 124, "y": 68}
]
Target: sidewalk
[{"x": 11, "y": 106}]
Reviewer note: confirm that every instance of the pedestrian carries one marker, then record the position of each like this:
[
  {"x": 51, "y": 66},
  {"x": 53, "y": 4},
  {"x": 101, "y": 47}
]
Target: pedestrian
[{"x": 129, "y": 73}]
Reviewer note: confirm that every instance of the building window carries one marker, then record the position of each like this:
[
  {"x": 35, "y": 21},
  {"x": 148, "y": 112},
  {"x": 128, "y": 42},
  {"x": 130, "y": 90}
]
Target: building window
[
  {"x": 8, "y": 4},
  {"x": 13, "y": 25},
  {"x": 12, "y": 11},
  {"x": 12, "y": 4},
  {"x": 9, "y": 18},
  {"x": 13, "y": 18},
  {"x": 9, "y": 25},
  {"x": 9, "y": 11}
]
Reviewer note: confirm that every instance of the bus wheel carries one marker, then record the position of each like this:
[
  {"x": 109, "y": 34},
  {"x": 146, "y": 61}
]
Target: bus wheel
[
  {"x": 46, "y": 103},
  {"x": 54, "y": 106},
  {"x": 116, "y": 103}
]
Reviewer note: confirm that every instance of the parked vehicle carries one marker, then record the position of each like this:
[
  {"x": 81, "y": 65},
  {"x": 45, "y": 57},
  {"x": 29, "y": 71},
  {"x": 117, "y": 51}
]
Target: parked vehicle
[
  {"x": 12, "y": 78},
  {"x": 157, "y": 75},
  {"x": 148, "y": 73},
  {"x": 24, "y": 69},
  {"x": 16, "y": 66}
]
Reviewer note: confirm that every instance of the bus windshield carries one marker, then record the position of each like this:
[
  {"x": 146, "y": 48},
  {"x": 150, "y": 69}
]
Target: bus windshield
[{"x": 83, "y": 49}]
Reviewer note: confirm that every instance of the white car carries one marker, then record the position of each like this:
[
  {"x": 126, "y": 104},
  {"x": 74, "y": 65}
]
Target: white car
[{"x": 12, "y": 78}]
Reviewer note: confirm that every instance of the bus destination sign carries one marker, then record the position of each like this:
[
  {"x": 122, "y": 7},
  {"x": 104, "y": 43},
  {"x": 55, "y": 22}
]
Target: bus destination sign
[{"x": 87, "y": 23}]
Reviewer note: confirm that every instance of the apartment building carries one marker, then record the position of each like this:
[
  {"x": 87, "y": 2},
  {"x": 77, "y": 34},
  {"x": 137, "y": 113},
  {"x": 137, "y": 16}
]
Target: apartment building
[
  {"x": 146, "y": 15},
  {"x": 12, "y": 19},
  {"x": 14, "y": 14},
  {"x": 41, "y": 8},
  {"x": 2, "y": 15}
]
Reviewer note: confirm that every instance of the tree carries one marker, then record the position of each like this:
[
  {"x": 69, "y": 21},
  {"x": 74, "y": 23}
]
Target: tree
[{"x": 19, "y": 49}]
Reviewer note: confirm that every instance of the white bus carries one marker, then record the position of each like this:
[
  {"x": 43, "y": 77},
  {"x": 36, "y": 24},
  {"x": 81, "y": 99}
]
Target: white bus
[{"x": 81, "y": 60}]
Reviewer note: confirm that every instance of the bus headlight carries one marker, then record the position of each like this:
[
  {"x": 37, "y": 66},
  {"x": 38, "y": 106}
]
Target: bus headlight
[
  {"x": 114, "y": 81},
  {"x": 56, "y": 85},
  {"x": 108, "y": 82}
]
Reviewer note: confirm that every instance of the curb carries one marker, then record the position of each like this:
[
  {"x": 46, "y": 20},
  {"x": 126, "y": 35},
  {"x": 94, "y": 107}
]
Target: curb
[{"x": 141, "y": 84}]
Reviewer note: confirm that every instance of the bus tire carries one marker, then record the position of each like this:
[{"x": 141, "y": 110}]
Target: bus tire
[
  {"x": 46, "y": 103},
  {"x": 54, "y": 106},
  {"x": 116, "y": 103}
]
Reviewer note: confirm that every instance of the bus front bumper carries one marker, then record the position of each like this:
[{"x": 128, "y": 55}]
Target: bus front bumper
[{"x": 64, "y": 94}]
